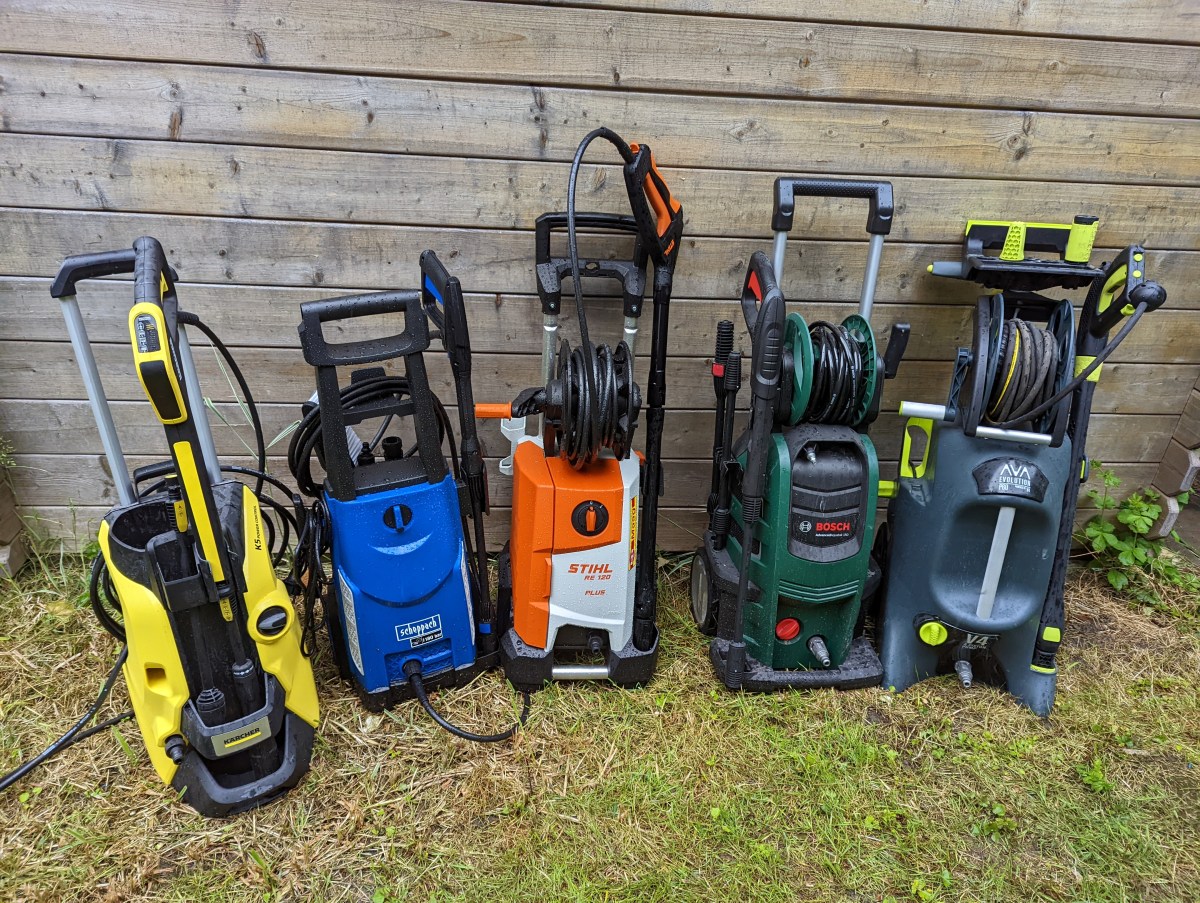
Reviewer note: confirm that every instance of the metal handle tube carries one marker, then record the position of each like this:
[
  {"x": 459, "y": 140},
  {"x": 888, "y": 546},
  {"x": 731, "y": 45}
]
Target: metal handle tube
[
  {"x": 630, "y": 333},
  {"x": 579, "y": 672},
  {"x": 98, "y": 400},
  {"x": 778, "y": 253},
  {"x": 866, "y": 299},
  {"x": 195, "y": 398},
  {"x": 938, "y": 412}
]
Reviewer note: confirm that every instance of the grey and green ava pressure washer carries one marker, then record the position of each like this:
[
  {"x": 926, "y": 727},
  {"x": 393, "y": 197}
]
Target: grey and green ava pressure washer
[
  {"x": 786, "y": 560},
  {"x": 979, "y": 531}
]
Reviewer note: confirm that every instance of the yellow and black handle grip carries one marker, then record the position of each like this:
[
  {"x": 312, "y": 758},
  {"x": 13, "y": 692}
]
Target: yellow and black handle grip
[{"x": 1124, "y": 289}]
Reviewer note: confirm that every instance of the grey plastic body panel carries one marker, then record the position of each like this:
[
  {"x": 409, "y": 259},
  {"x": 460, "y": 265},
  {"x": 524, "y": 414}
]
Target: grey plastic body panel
[{"x": 941, "y": 530}]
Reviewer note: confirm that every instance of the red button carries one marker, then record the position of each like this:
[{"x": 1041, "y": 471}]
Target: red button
[{"x": 787, "y": 629}]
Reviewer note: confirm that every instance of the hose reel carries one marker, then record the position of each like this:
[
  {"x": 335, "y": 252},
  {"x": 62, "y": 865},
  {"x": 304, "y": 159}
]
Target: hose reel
[
  {"x": 1016, "y": 365},
  {"x": 831, "y": 372}
]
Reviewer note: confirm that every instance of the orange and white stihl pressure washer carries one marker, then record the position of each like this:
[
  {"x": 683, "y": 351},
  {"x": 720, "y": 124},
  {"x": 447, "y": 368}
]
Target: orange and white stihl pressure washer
[{"x": 578, "y": 571}]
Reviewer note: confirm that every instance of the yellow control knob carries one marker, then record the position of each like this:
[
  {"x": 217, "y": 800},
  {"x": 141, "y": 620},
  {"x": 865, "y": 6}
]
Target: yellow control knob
[{"x": 933, "y": 633}]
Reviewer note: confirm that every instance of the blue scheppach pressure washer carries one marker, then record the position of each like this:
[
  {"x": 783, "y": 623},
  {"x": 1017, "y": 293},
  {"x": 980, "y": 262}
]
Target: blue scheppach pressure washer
[{"x": 407, "y": 605}]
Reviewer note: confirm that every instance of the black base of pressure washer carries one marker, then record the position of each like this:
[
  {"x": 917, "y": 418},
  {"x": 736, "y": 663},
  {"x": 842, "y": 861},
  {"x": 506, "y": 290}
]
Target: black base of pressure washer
[
  {"x": 201, "y": 790},
  {"x": 398, "y": 692},
  {"x": 861, "y": 667},
  {"x": 530, "y": 668}
]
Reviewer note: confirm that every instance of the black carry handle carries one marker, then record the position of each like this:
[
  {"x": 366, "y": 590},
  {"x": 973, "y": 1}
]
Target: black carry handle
[
  {"x": 879, "y": 220},
  {"x": 320, "y": 353},
  {"x": 760, "y": 285},
  {"x": 436, "y": 285},
  {"x": 551, "y": 270},
  {"x": 149, "y": 270},
  {"x": 92, "y": 266}
]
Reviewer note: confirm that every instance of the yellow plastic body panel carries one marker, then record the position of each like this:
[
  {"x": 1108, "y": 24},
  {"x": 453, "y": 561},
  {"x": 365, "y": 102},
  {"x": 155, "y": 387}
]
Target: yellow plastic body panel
[
  {"x": 280, "y": 655},
  {"x": 154, "y": 674}
]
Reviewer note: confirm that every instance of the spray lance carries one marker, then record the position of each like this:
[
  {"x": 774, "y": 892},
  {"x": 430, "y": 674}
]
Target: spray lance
[
  {"x": 442, "y": 297},
  {"x": 1121, "y": 293},
  {"x": 764, "y": 310}
]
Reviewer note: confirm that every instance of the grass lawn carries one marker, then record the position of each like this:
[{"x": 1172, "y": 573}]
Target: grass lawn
[{"x": 680, "y": 791}]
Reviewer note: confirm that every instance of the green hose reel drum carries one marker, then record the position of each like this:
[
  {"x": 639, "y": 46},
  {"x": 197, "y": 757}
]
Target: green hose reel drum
[{"x": 799, "y": 350}]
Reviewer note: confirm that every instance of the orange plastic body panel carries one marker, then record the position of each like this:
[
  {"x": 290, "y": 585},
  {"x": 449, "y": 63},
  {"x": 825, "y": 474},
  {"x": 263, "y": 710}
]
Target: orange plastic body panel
[{"x": 546, "y": 492}]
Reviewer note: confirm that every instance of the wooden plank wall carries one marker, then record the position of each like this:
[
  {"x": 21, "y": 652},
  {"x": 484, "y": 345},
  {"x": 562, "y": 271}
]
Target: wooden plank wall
[{"x": 284, "y": 150}]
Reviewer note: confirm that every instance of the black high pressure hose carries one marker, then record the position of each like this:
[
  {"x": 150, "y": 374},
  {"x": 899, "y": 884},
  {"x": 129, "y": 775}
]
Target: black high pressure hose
[
  {"x": 412, "y": 671},
  {"x": 591, "y": 405},
  {"x": 76, "y": 731},
  {"x": 839, "y": 385},
  {"x": 1044, "y": 406}
]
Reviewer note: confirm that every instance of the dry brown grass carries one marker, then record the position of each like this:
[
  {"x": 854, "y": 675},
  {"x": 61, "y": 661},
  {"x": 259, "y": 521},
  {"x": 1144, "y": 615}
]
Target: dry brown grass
[{"x": 678, "y": 791}]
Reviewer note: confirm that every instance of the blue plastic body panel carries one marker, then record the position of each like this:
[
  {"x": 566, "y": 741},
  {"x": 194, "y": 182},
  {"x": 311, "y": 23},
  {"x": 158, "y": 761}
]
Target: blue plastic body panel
[{"x": 402, "y": 592}]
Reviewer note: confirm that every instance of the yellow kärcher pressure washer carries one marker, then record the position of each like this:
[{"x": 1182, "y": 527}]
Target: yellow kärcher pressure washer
[{"x": 222, "y": 692}]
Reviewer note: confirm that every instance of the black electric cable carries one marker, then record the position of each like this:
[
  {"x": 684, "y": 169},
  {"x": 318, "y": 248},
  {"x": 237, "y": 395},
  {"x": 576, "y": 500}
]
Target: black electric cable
[
  {"x": 103, "y": 597},
  {"x": 190, "y": 319},
  {"x": 308, "y": 578},
  {"x": 76, "y": 732},
  {"x": 599, "y": 398},
  {"x": 418, "y": 685}
]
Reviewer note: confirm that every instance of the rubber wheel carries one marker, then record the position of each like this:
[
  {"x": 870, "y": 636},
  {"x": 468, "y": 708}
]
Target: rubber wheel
[{"x": 704, "y": 601}]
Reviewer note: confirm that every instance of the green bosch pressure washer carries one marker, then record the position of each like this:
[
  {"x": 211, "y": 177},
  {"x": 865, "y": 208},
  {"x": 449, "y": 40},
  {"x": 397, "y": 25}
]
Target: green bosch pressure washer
[
  {"x": 786, "y": 561},
  {"x": 979, "y": 531}
]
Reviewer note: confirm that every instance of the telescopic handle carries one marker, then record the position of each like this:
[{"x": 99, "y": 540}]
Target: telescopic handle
[{"x": 879, "y": 220}]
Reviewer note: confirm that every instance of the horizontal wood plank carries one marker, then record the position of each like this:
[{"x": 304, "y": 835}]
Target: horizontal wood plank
[
  {"x": 262, "y": 316},
  {"x": 335, "y": 256},
  {"x": 67, "y": 428},
  {"x": 1163, "y": 21},
  {"x": 285, "y": 183},
  {"x": 49, "y": 479},
  {"x": 220, "y": 105},
  {"x": 679, "y": 529},
  {"x": 629, "y": 50},
  {"x": 47, "y": 370}
]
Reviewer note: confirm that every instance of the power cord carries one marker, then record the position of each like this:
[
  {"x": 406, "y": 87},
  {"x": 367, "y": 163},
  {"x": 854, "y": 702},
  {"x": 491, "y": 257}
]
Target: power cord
[
  {"x": 77, "y": 731},
  {"x": 412, "y": 670}
]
